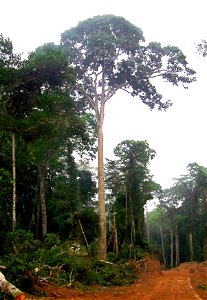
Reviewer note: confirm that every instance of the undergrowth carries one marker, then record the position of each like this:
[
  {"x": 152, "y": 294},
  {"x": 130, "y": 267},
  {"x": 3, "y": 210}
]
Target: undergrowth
[{"x": 28, "y": 261}]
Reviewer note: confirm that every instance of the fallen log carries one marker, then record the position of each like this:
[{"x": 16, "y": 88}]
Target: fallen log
[{"x": 9, "y": 288}]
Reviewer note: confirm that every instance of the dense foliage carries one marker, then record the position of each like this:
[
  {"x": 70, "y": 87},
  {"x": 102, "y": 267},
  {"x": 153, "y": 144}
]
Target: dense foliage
[
  {"x": 130, "y": 186},
  {"x": 48, "y": 125},
  {"x": 182, "y": 216},
  {"x": 66, "y": 263}
]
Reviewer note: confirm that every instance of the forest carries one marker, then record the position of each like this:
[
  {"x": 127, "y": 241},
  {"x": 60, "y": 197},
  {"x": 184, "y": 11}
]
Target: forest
[{"x": 59, "y": 216}]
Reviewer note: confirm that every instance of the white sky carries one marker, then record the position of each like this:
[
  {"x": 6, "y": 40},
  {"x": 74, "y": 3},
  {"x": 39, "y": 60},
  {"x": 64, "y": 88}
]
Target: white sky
[{"x": 179, "y": 134}]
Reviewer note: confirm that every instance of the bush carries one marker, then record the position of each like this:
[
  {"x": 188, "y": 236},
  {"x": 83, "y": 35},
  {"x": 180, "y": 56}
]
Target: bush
[
  {"x": 129, "y": 251},
  {"x": 115, "y": 274},
  {"x": 63, "y": 263},
  {"x": 19, "y": 242},
  {"x": 51, "y": 240},
  {"x": 5, "y": 296}
]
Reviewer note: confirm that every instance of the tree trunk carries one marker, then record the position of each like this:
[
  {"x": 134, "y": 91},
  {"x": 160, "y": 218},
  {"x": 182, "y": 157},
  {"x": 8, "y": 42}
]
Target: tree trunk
[
  {"x": 133, "y": 232},
  {"x": 140, "y": 222},
  {"x": 147, "y": 227},
  {"x": 205, "y": 229},
  {"x": 85, "y": 238},
  {"x": 205, "y": 246},
  {"x": 126, "y": 204},
  {"x": 163, "y": 248},
  {"x": 177, "y": 255},
  {"x": 42, "y": 199},
  {"x": 101, "y": 197},
  {"x": 191, "y": 245},
  {"x": 14, "y": 184},
  {"x": 116, "y": 248},
  {"x": 9, "y": 288},
  {"x": 171, "y": 248},
  {"x": 131, "y": 211},
  {"x": 37, "y": 219}
]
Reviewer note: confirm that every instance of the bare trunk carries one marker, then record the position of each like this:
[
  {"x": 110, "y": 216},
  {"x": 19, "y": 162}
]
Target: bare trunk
[
  {"x": 81, "y": 227},
  {"x": 102, "y": 241},
  {"x": 205, "y": 248},
  {"x": 14, "y": 185},
  {"x": 126, "y": 204},
  {"x": 32, "y": 222},
  {"x": 42, "y": 199},
  {"x": 101, "y": 197},
  {"x": 133, "y": 232},
  {"x": 177, "y": 255},
  {"x": 205, "y": 229},
  {"x": 147, "y": 227},
  {"x": 9, "y": 288},
  {"x": 171, "y": 248},
  {"x": 191, "y": 245},
  {"x": 116, "y": 248},
  {"x": 140, "y": 222},
  {"x": 37, "y": 219},
  {"x": 163, "y": 248}
]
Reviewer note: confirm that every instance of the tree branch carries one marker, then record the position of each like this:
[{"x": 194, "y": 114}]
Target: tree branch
[
  {"x": 92, "y": 103},
  {"x": 112, "y": 92}
]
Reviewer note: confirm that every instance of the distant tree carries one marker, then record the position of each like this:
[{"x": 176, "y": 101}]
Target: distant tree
[
  {"x": 69, "y": 191},
  {"x": 186, "y": 209},
  {"x": 158, "y": 225},
  {"x": 109, "y": 54},
  {"x": 87, "y": 186},
  {"x": 194, "y": 187},
  {"x": 129, "y": 182}
]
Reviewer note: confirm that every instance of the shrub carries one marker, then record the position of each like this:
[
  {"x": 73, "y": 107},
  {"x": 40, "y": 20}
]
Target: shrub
[
  {"x": 19, "y": 242},
  {"x": 129, "y": 251},
  {"x": 63, "y": 263},
  {"x": 51, "y": 240}
]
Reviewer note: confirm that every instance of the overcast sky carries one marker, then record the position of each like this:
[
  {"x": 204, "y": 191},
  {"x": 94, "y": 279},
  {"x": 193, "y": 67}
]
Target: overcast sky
[{"x": 177, "y": 135}]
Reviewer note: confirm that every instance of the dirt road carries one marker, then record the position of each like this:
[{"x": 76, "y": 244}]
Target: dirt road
[{"x": 187, "y": 282}]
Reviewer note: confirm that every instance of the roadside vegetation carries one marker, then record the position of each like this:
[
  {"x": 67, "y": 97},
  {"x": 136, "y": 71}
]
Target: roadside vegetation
[{"x": 29, "y": 263}]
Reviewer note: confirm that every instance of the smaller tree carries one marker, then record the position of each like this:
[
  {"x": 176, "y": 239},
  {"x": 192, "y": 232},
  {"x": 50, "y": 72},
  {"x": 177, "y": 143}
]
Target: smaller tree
[{"x": 131, "y": 185}]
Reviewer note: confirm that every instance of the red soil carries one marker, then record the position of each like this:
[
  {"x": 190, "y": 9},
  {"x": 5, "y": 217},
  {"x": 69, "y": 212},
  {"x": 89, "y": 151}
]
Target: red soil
[{"x": 188, "y": 281}]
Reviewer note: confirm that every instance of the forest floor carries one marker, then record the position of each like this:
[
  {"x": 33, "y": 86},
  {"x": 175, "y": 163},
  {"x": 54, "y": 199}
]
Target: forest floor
[{"x": 188, "y": 281}]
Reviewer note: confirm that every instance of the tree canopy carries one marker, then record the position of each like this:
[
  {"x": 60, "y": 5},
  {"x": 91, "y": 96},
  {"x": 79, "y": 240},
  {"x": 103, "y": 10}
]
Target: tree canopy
[
  {"x": 109, "y": 50},
  {"x": 130, "y": 185},
  {"x": 36, "y": 105}
]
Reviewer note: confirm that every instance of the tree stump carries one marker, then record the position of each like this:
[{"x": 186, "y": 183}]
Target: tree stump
[{"x": 9, "y": 288}]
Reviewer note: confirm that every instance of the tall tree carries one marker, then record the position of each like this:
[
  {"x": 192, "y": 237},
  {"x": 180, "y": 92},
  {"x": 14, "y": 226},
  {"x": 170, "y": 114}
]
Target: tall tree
[
  {"x": 25, "y": 86},
  {"x": 56, "y": 123},
  {"x": 129, "y": 177},
  {"x": 9, "y": 64},
  {"x": 109, "y": 54}
]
